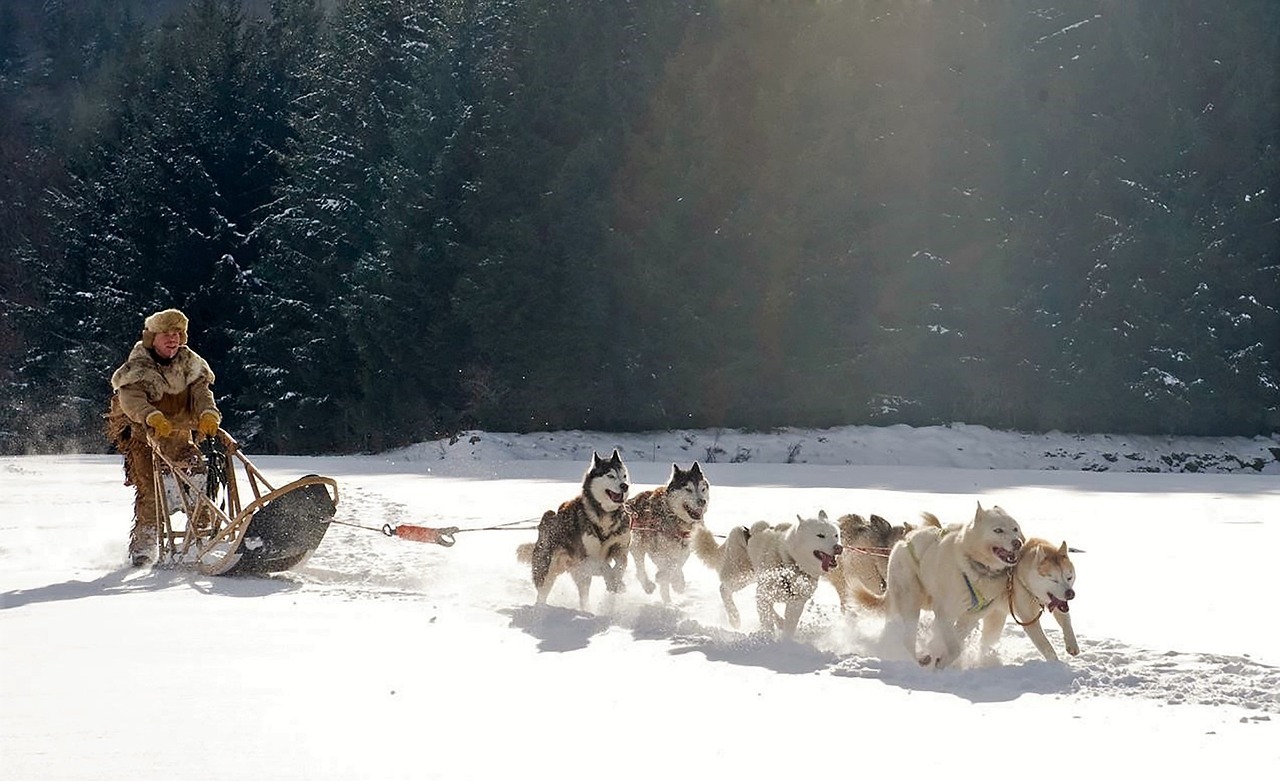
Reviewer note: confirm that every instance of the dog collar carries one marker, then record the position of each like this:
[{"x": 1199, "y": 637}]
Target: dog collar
[
  {"x": 1013, "y": 578},
  {"x": 983, "y": 570}
]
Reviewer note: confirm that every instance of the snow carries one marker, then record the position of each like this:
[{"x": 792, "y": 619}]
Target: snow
[{"x": 387, "y": 659}]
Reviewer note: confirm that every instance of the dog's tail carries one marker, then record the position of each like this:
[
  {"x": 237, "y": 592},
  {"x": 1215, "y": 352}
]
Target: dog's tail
[
  {"x": 524, "y": 553},
  {"x": 931, "y": 520},
  {"x": 706, "y": 548},
  {"x": 867, "y": 599}
]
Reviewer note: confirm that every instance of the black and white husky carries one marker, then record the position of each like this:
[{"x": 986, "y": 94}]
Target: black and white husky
[
  {"x": 662, "y": 521},
  {"x": 587, "y": 536}
]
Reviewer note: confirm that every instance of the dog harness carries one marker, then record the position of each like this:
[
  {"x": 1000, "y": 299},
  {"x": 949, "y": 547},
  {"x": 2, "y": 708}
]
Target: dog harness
[
  {"x": 668, "y": 525},
  {"x": 977, "y": 602}
]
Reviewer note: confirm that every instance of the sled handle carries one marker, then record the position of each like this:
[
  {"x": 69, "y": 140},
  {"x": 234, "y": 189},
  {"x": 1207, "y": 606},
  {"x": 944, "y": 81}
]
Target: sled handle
[{"x": 443, "y": 537}]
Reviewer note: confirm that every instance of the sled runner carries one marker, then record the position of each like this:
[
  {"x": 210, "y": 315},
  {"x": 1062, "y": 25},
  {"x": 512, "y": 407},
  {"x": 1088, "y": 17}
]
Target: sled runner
[{"x": 276, "y": 530}]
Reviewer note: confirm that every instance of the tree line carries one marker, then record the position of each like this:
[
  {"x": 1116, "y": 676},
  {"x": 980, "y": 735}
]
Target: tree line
[{"x": 391, "y": 220}]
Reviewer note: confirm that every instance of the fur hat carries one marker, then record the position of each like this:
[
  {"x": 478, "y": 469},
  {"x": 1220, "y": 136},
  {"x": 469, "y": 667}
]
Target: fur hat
[{"x": 163, "y": 322}]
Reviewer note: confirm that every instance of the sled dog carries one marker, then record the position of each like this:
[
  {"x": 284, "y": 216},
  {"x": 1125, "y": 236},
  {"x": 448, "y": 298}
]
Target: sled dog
[
  {"x": 785, "y": 561},
  {"x": 662, "y": 521},
  {"x": 586, "y": 536},
  {"x": 959, "y": 571},
  {"x": 866, "y": 554},
  {"x": 1044, "y": 579}
]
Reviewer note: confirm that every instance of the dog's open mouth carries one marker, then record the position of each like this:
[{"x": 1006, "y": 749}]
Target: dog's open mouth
[
  {"x": 828, "y": 561},
  {"x": 616, "y": 496},
  {"x": 694, "y": 513},
  {"x": 1007, "y": 556},
  {"x": 1058, "y": 604}
]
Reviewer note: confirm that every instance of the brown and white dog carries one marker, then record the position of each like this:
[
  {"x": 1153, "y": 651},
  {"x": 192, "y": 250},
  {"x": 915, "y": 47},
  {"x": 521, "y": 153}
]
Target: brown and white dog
[
  {"x": 865, "y": 559},
  {"x": 959, "y": 571},
  {"x": 662, "y": 522},
  {"x": 586, "y": 536},
  {"x": 785, "y": 561},
  {"x": 1044, "y": 579}
]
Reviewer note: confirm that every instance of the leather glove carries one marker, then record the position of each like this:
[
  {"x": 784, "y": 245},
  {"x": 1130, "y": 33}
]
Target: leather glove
[
  {"x": 208, "y": 425},
  {"x": 160, "y": 424}
]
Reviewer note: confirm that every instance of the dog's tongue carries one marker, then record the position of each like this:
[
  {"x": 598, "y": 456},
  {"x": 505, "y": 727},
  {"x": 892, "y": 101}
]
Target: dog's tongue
[
  {"x": 828, "y": 561},
  {"x": 615, "y": 496},
  {"x": 1058, "y": 604},
  {"x": 1008, "y": 557},
  {"x": 694, "y": 513}
]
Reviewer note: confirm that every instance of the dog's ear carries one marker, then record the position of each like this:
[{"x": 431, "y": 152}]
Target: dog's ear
[
  {"x": 1063, "y": 550},
  {"x": 822, "y": 515},
  {"x": 696, "y": 471},
  {"x": 880, "y": 525}
]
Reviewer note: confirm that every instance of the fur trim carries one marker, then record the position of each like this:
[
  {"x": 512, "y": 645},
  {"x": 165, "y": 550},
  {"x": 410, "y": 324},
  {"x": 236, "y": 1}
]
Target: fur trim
[
  {"x": 163, "y": 322},
  {"x": 140, "y": 368},
  {"x": 137, "y": 455}
]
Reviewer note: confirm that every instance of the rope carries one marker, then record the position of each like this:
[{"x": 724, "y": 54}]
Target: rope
[
  {"x": 359, "y": 526},
  {"x": 442, "y": 536},
  {"x": 508, "y": 526},
  {"x": 881, "y": 552}
]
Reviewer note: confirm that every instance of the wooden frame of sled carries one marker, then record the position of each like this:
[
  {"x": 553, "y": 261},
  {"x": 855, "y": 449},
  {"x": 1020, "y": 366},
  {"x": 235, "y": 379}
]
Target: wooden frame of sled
[{"x": 276, "y": 530}]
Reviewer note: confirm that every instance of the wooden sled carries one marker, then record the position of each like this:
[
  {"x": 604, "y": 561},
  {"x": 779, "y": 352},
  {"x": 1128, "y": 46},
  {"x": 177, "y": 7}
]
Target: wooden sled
[{"x": 275, "y": 531}]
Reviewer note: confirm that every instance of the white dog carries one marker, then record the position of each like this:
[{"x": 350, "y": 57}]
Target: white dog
[
  {"x": 960, "y": 571},
  {"x": 785, "y": 561},
  {"x": 1044, "y": 579}
]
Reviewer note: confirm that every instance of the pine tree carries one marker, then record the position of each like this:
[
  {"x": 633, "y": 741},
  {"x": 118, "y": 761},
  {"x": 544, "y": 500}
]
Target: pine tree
[{"x": 155, "y": 202}]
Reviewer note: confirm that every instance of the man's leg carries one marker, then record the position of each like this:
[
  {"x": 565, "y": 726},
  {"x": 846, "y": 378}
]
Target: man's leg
[{"x": 145, "y": 536}]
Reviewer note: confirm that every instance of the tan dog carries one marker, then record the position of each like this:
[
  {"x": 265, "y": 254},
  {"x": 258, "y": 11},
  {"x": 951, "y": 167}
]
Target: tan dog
[
  {"x": 662, "y": 522},
  {"x": 865, "y": 559},
  {"x": 785, "y": 561},
  {"x": 959, "y": 571},
  {"x": 1044, "y": 579}
]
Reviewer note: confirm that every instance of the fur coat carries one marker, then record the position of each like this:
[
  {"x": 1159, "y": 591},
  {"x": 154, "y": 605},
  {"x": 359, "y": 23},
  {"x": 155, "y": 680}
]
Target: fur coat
[{"x": 180, "y": 388}]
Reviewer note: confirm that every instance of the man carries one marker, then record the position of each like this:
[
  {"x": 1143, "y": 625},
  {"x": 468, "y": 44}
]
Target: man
[{"x": 162, "y": 389}]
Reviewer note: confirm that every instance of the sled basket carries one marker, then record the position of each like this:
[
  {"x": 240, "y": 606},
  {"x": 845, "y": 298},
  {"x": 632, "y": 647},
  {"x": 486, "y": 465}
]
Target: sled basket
[
  {"x": 287, "y": 525},
  {"x": 277, "y": 530}
]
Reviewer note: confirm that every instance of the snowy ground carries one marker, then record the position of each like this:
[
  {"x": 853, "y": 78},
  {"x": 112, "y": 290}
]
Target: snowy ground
[{"x": 387, "y": 659}]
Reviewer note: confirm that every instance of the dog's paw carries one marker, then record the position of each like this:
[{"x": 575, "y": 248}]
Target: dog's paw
[{"x": 648, "y": 587}]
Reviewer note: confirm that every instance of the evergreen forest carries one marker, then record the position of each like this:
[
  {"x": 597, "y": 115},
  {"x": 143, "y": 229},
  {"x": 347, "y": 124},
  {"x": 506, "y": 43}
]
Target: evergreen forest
[{"x": 394, "y": 220}]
